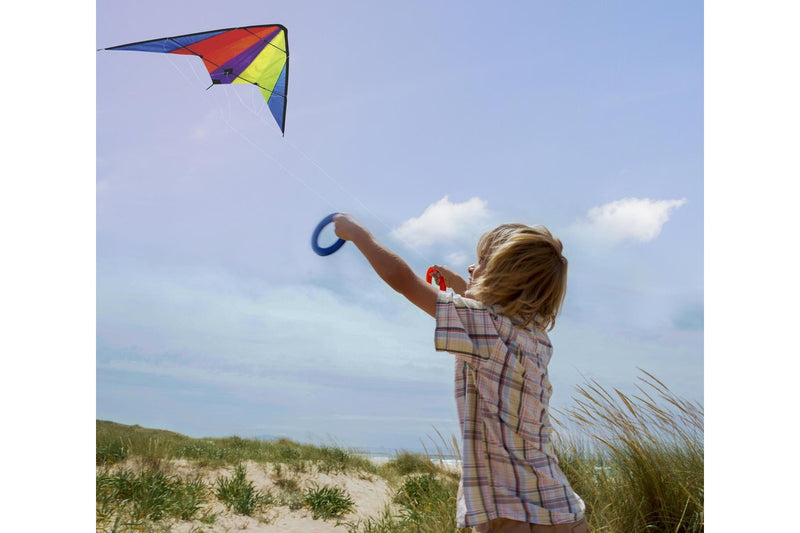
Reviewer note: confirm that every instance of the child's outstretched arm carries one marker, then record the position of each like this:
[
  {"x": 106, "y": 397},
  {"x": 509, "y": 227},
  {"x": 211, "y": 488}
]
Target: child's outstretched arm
[{"x": 388, "y": 265}]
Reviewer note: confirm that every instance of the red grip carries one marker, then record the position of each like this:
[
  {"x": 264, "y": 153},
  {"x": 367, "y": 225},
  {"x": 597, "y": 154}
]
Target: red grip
[{"x": 429, "y": 277}]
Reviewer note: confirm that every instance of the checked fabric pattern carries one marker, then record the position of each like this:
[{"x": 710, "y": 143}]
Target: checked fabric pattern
[{"x": 509, "y": 468}]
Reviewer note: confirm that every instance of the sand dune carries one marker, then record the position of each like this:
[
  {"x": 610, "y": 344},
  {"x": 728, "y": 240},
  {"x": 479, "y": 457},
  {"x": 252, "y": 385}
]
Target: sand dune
[{"x": 370, "y": 493}]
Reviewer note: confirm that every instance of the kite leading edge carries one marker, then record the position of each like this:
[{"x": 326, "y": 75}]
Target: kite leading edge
[{"x": 258, "y": 55}]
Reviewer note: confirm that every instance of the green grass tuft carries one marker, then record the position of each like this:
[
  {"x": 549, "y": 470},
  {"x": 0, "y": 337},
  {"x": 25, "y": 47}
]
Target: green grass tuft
[
  {"x": 239, "y": 494},
  {"x": 328, "y": 502},
  {"x": 406, "y": 463},
  {"x": 110, "y": 452},
  {"x": 137, "y": 498}
]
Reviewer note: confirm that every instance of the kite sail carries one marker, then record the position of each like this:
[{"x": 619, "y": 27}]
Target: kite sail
[{"x": 258, "y": 55}]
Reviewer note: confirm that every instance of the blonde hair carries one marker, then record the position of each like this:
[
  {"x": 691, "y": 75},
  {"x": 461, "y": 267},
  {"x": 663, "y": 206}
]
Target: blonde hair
[{"x": 524, "y": 273}]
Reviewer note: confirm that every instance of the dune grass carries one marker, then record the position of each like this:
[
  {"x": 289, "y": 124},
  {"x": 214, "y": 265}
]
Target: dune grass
[
  {"x": 139, "y": 487},
  {"x": 638, "y": 460},
  {"x": 127, "y": 499},
  {"x": 635, "y": 460},
  {"x": 328, "y": 502},
  {"x": 240, "y": 494},
  {"x": 151, "y": 447}
]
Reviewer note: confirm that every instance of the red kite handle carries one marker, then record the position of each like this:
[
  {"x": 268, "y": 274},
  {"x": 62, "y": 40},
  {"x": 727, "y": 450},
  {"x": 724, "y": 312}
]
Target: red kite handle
[{"x": 429, "y": 277}]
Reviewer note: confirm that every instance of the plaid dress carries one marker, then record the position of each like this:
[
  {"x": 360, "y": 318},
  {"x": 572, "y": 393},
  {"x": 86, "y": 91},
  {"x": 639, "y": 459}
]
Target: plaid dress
[{"x": 509, "y": 468}]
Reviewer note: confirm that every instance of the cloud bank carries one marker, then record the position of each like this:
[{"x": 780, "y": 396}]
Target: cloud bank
[
  {"x": 628, "y": 219},
  {"x": 258, "y": 358},
  {"x": 194, "y": 323},
  {"x": 444, "y": 222}
]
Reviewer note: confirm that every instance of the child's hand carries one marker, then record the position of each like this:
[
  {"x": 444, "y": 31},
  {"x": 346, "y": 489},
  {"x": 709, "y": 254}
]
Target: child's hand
[
  {"x": 451, "y": 279},
  {"x": 347, "y": 227}
]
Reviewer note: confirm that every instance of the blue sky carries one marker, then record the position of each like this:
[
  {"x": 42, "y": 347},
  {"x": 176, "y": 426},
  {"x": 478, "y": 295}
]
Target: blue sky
[{"x": 430, "y": 123}]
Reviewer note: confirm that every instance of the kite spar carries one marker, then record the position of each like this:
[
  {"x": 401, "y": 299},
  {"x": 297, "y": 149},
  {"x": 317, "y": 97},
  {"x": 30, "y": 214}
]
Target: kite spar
[{"x": 256, "y": 55}]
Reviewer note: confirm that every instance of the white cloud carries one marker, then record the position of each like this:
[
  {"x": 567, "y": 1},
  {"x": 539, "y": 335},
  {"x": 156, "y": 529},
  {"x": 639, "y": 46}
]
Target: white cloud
[
  {"x": 628, "y": 219},
  {"x": 444, "y": 221},
  {"x": 458, "y": 258}
]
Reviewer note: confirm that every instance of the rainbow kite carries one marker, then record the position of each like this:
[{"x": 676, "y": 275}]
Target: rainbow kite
[{"x": 258, "y": 55}]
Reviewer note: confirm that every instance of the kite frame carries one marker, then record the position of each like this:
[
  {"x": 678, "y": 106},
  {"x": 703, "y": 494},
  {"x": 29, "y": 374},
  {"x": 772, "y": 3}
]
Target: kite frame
[{"x": 222, "y": 30}]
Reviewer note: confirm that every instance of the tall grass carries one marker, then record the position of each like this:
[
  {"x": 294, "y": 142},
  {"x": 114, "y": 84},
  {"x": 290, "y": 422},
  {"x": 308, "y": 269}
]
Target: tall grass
[
  {"x": 151, "y": 447},
  {"x": 638, "y": 465},
  {"x": 128, "y": 500}
]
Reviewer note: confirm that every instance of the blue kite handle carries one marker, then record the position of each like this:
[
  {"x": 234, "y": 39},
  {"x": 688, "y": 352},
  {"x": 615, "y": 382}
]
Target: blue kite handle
[{"x": 315, "y": 246}]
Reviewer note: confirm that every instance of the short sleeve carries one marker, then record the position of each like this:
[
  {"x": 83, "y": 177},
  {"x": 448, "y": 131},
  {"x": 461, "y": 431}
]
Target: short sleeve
[{"x": 464, "y": 327}]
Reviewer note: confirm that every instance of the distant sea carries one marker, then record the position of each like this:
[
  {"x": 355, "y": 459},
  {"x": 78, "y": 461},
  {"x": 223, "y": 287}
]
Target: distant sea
[
  {"x": 380, "y": 458},
  {"x": 381, "y": 455}
]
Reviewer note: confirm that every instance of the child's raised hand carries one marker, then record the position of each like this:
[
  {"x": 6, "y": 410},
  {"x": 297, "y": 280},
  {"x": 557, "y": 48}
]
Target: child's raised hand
[
  {"x": 347, "y": 227},
  {"x": 451, "y": 279}
]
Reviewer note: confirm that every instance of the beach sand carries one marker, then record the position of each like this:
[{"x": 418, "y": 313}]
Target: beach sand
[{"x": 370, "y": 493}]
